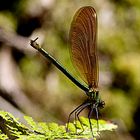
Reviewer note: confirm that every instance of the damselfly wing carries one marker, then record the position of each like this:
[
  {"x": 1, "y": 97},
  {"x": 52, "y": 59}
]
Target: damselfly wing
[{"x": 83, "y": 41}]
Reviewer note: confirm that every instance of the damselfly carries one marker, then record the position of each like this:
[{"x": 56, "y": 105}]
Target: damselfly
[{"x": 83, "y": 45}]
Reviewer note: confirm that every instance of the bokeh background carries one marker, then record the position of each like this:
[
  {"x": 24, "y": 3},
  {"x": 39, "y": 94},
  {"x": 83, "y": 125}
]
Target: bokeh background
[{"x": 31, "y": 85}]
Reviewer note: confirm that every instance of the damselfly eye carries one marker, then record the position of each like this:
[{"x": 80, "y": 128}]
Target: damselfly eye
[{"x": 101, "y": 104}]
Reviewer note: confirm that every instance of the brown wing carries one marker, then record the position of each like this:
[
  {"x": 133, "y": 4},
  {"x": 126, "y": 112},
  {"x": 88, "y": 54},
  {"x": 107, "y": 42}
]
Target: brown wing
[{"x": 83, "y": 38}]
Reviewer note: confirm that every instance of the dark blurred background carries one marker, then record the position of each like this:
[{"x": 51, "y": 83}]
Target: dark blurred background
[{"x": 31, "y": 85}]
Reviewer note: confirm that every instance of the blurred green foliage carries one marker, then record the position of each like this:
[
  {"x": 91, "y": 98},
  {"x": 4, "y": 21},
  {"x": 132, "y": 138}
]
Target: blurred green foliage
[{"x": 118, "y": 46}]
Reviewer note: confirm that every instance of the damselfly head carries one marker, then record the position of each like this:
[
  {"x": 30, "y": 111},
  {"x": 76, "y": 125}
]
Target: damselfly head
[{"x": 101, "y": 104}]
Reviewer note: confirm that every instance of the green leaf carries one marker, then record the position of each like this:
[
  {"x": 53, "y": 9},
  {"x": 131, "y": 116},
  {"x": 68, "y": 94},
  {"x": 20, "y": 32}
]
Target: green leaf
[{"x": 11, "y": 128}]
